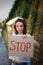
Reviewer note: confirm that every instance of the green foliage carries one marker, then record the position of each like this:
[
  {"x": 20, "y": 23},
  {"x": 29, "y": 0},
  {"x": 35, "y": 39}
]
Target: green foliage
[
  {"x": 34, "y": 12},
  {"x": 27, "y": 8},
  {"x": 0, "y": 26},
  {"x": 33, "y": 20},
  {"x": 3, "y": 24},
  {"x": 20, "y": 8},
  {"x": 15, "y": 6}
]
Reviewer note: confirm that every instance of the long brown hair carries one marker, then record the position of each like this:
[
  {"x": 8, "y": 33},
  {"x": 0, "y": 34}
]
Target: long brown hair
[{"x": 24, "y": 23}]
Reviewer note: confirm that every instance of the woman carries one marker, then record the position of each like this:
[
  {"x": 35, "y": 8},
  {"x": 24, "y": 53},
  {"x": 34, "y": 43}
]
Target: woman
[{"x": 20, "y": 29}]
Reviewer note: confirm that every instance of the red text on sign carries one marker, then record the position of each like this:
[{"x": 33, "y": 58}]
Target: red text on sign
[{"x": 20, "y": 46}]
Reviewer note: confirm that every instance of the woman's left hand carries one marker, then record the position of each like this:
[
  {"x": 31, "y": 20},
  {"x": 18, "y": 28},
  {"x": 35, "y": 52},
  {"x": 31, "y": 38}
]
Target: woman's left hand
[{"x": 24, "y": 36}]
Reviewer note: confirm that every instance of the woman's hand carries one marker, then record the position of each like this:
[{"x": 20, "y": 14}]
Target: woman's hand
[{"x": 24, "y": 36}]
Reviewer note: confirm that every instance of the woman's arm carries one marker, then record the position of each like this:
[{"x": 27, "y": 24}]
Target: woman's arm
[
  {"x": 9, "y": 23},
  {"x": 9, "y": 29},
  {"x": 36, "y": 44}
]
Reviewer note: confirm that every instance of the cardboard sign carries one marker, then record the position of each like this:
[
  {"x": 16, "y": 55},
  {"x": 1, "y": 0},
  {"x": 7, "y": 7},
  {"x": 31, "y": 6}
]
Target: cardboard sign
[{"x": 19, "y": 46}]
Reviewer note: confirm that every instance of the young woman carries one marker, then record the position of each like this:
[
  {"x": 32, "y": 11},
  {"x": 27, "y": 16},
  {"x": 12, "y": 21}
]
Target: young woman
[{"x": 20, "y": 29}]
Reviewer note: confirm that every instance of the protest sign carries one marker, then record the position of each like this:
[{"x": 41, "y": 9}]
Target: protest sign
[{"x": 19, "y": 46}]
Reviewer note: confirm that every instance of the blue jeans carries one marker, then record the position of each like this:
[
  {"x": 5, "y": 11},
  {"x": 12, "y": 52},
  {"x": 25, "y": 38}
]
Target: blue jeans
[{"x": 24, "y": 63}]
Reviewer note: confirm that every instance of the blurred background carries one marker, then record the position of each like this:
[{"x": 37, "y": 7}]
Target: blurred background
[{"x": 32, "y": 11}]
